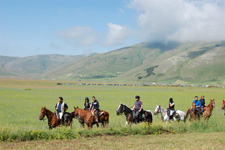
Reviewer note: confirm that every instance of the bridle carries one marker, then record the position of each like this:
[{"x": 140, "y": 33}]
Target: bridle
[
  {"x": 158, "y": 110},
  {"x": 43, "y": 115}
]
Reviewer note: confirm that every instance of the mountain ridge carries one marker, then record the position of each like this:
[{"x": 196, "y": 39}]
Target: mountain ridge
[{"x": 171, "y": 62}]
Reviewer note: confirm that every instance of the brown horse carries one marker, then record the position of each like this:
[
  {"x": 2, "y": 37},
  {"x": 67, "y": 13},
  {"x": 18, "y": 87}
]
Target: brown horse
[
  {"x": 223, "y": 106},
  {"x": 87, "y": 116},
  {"x": 208, "y": 109},
  {"x": 53, "y": 119},
  {"x": 192, "y": 112},
  {"x": 103, "y": 118}
]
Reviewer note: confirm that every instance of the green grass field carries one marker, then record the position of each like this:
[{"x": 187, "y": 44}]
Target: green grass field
[{"x": 21, "y": 102}]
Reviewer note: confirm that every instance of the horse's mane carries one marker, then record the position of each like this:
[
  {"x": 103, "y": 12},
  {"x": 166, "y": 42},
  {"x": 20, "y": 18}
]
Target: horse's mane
[
  {"x": 48, "y": 110},
  {"x": 210, "y": 102},
  {"x": 83, "y": 109},
  {"x": 162, "y": 107},
  {"x": 126, "y": 105}
]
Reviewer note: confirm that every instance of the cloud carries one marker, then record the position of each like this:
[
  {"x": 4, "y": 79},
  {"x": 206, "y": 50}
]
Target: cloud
[
  {"x": 117, "y": 34},
  {"x": 180, "y": 20},
  {"x": 83, "y": 36}
]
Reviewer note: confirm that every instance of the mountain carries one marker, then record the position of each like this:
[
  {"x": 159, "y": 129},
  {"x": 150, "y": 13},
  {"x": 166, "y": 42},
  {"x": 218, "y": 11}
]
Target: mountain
[
  {"x": 33, "y": 66},
  {"x": 170, "y": 62},
  {"x": 193, "y": 62}
]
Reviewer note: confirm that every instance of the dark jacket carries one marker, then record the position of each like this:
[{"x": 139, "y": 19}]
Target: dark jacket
[
  {"x": 95, "y": 105},
  {"x": 202, "y": 102}
]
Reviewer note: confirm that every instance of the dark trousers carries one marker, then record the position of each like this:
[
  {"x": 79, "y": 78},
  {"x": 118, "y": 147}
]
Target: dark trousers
[{"x": 137, "y": 115}]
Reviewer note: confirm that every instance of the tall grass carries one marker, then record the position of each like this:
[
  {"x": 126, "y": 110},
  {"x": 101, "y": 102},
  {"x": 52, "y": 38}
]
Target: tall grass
[
  {"x": 62, "y": 133},
  {"x": 19, "y": 109}
]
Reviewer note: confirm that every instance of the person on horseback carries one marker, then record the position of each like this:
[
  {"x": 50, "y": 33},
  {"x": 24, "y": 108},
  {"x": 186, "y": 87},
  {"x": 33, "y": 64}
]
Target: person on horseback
[
  {"x": 137, "y": 108},
  {"x": 198, "y": 104},
  {"x": 87, "y": 104},
  {"x": 61, "y": 108},
  {"x": 202, "y": 100},
  {"x": 95, "y": 107},
  {"x": 171, "y": 108}
]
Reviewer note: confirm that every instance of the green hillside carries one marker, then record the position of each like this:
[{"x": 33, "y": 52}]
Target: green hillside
[
  {"x": 33, "y": 66},
  {"x": 199, "y": 62},
  {"x": 171, "y": 62}
]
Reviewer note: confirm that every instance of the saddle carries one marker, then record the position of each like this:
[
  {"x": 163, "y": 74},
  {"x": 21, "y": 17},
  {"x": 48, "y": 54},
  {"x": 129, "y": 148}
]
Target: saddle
[
  {"x": 100, "y": 112},
  {"x": 142, "y": 114}
]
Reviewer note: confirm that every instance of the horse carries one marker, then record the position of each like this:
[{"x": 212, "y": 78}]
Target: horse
[
  {"x": 180, "y": 115},
  {"x": 87, "y": 116},
  {"x": 148, "y": 117},
  {"x": 53, "y": 119},
  {"x": 194, "y": 114},
  {"x": 223, "y": 106},
  {"x": 208, "y": 110}
]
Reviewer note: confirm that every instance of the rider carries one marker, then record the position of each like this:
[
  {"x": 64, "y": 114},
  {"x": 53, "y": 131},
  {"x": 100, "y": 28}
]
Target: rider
[
  {"x": 202, "y": 100},
  {"x": 198, "y": 104},
  {"x": 87, "y": 104},
  {"x": 61, "y": 108},
  {"x": 171, "y": 108},
  {"x": 95, "y": 107},
  {"x": 137, "y": 108}
]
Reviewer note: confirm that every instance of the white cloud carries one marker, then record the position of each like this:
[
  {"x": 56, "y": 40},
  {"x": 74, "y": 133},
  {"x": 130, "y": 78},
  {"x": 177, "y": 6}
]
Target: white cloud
[
  {"x": 83, "y": 36},
  {"x": 117, "y": 34},
  {"x": 180, "y": 20}
]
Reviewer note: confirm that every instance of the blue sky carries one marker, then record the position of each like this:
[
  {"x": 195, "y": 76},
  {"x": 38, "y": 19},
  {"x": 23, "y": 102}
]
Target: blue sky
[{"x": 72, "y": 27}]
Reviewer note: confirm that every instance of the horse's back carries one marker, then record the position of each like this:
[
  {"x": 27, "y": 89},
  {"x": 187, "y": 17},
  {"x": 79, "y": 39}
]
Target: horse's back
[
  {"x": 149, "y": 115},
  {"x": 181, "y": 112}
]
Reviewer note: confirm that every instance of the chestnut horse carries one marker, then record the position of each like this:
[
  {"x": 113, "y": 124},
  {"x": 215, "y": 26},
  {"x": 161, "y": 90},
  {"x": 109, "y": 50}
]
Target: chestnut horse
[
  {"x": 223, "y": 106},
  {"x": 208, "y": 109},
  {"x": 193, "y": 113},
  {"x": 53, "y": 119},
  {"x": 87, "y": 116}
]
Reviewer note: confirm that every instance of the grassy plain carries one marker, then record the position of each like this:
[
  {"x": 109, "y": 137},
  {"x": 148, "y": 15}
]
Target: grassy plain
[
  {"x": 193, "y": 141},
  {"x": 21, "y": 102}
]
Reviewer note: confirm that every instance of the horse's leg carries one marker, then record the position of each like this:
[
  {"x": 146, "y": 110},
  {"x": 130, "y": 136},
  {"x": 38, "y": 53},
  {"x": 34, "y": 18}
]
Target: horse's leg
[
  {"x": 97, "y": 124},
  {"x": 103, "y": 124}
]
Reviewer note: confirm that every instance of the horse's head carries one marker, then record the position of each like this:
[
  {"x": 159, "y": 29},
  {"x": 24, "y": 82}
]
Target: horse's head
[
  {"x": 212, "y": 102},
  {"x": 76, "y": 111},
  {"x": 193, "y": 106},
  {"x": 120, "y": 109},
  {"x": 223, "y": 105},
  {"x": 42, "y": 113},
  {"x": 157, "y": 110}
]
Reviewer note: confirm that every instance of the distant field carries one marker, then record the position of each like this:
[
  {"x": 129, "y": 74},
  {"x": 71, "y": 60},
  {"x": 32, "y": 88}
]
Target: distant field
[{"x": 21, "y": 101}]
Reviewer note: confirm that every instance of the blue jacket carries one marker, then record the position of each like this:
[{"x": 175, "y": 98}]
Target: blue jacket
[{"x": 198, "y": 103}]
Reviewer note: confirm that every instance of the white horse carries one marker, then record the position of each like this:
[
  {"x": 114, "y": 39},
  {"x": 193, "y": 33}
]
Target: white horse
[{"x": 180, "y": 115}]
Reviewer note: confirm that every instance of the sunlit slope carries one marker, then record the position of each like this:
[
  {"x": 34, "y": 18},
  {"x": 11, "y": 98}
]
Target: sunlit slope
[{"x": 199, "y": 62}]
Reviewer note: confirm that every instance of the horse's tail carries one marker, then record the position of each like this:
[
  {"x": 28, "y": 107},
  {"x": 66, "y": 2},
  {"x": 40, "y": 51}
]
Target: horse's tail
[
  {"x": 150, "y": 116},
  {"x": 188, "y": 112},
  {"x": 106, "y": 116}
]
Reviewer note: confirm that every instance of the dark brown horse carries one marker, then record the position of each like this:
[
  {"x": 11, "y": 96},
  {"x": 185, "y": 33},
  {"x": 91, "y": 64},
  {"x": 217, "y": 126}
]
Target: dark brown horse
[
  {"x": 87, "y": 116},
  {"x": 148, "y": 117},
  {"x": 53, "y": 119},
  {"x": 208, "y": 109}
]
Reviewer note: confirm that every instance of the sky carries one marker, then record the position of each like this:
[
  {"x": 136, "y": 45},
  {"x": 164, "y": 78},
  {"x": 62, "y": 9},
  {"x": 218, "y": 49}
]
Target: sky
[{"x": 82, "y": 27}]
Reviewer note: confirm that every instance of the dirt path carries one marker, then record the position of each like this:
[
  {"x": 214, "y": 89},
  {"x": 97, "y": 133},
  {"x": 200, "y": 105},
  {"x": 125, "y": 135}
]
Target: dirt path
[{"x": 170, "y": 141}]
